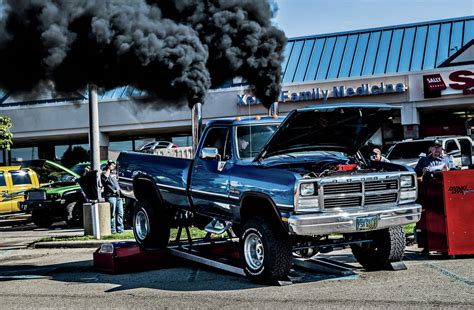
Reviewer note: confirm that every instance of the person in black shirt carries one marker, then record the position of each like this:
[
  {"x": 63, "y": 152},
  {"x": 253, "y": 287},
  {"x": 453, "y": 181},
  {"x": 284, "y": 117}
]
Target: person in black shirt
[
  {"x": 112, "y": 195},
  {"x": 435, "y": 160}
]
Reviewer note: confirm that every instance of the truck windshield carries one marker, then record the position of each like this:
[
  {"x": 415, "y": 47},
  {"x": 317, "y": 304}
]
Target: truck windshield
[
  {"x": 406, "y": 150},
  {"x": 252, "y": 138}
]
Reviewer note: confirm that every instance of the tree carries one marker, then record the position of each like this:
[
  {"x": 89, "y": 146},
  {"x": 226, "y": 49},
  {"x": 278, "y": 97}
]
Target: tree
[{"x": 5, "y": 134}]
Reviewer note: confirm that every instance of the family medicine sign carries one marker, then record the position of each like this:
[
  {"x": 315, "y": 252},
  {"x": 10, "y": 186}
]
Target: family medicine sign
[{"x": 317, "y": 93}]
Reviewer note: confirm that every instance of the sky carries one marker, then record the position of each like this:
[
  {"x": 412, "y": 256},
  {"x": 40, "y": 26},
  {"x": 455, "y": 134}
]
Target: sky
[{"x": 309, "y": 17}]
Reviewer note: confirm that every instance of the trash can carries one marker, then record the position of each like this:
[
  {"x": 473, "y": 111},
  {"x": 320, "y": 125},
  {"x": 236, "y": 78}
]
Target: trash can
[{"x": 104, "y": 219}]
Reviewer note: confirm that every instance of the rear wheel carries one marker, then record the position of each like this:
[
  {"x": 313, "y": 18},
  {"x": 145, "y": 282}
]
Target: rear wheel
[
  {"x": 265, "y": 251},
  {"x": 388, "y": 246},
  {"x": 42, "y": 218},
  {"x": 151, "y": 225}
]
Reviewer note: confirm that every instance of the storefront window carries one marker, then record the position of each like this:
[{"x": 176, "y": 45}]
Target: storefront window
[
  {"x": 315, "y": 58},
  {"x": 359, "y": 54},
  {"x": 303, "y": 63},
  {"x": 293, "y": 62},
  {"x": 325, "y": 59},
  {"x": 405, "y": 56},
  {"x": 419, "y": 48},
  {"x": 382, "y": 53},
  {"x": 337, "y": 57},
  {"x": 348, "y": 56},
  {"x": 430, "y": 49},
  {"x": 286, "y": 54},
  {"x": 371, "y": 53},
  {"x": 468, "y": 31},
  {"x": 25, "y": 153},
  {"x": 443, "y": 45},
  {"x": 456, "y": 38},
  {"x": 183, "y": 141},
  {"x": 395, "y": 47},
  {"x": 119, "y": 146}
]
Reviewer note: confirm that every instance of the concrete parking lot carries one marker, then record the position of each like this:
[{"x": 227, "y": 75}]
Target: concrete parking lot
[{"x": 65, "y": 278}]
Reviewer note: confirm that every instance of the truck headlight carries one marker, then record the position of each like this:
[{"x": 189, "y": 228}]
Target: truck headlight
[
  {"x": 407, "y": 181},
  {"x": 408, "y": 195},
  {"x": 307, "y": 189}
]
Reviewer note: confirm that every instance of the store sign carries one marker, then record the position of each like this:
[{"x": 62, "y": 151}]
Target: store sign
[
  {"x": 459, "y": 82},
  {"x": 315, "y": 94}
]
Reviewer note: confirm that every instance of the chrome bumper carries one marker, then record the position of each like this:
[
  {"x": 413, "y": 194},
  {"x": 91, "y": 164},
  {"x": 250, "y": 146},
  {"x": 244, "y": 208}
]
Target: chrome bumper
[{"x": 345, "y": 222}]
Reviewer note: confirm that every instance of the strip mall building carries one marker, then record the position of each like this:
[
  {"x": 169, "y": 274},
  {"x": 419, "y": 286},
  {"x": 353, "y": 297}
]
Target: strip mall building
[{"x": 426, "y": 69}]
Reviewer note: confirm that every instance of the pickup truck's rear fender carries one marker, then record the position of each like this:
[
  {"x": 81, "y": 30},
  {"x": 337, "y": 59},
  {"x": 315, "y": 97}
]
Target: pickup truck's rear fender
[
  {"x": 145, "y": 188},
  {"x": 258, "y": 204}
]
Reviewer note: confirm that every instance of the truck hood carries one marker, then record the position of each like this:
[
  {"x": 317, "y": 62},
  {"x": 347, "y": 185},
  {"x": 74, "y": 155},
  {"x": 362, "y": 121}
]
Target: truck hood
[{"x": 329, "y": 127}]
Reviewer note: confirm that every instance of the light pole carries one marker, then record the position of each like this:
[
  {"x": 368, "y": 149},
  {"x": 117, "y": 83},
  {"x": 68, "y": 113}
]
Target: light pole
[{"x": 95, "y": 154}]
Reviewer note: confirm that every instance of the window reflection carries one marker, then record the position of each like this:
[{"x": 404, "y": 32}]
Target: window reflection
[
  {"x": 371, "y": 53},
  {"x": 337, "y": 57},
  {"x": 382, "y": 53},
  {"x": 286, "y": 55},
  {"x": 443, "y": 45},
  {"x": 419, "y": 48},
  {"x": 315, "y": 59},
  {"x": 348, "y": 56},
  {"x": 431, "y": 45},
  {"x": 359, "y": 54},
  {"x": 303, "y": 63},
  {"x": 407, "y": 49},
  {"x": 293, "y": 62},
  {"x": 394, "y": 54},
  {"x": 325, "y": 59},
  {"x": 456, "y": 38},
  {"x": 468, "y": 31}
]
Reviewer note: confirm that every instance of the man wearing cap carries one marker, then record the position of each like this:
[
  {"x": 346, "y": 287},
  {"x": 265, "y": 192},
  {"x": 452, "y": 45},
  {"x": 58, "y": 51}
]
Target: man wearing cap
[
  {"x": 112, "y": 195},
  {"x": 435, "y": 160},
  {"x": 377, "y": 156}
]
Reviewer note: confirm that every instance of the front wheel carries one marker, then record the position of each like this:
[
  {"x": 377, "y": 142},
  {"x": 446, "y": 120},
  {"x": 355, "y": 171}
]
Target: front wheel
[
  {"x": 265, "y": 251},
  {"x": 151, "y": 225},
  {"x": 74, "y": 214},
  {"x": 388, "y": 246},
  {"x": 42, "y": 218}
]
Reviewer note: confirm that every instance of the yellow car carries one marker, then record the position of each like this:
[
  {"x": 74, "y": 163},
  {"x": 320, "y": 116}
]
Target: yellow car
[{"x": 14, "y": 181}]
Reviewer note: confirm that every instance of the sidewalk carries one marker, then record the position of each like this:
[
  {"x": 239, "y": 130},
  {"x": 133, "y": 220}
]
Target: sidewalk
[{"x": 74, "y": 244}]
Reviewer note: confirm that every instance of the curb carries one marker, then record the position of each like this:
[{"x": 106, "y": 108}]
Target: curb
[{"x": 89, "y": 244}]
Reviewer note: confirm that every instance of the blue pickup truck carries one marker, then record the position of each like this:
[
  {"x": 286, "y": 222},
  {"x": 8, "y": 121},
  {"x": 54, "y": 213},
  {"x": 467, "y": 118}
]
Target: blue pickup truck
[{"x": 286, "y": 186}]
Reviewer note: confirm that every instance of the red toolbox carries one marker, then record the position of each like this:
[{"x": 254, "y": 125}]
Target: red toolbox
[
  {"x": 447, "y": 220},
  {"x": 125, "y": 257}
]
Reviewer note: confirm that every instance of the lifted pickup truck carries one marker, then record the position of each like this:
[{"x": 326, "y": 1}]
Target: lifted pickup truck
[{"x": 283, "y": 186}]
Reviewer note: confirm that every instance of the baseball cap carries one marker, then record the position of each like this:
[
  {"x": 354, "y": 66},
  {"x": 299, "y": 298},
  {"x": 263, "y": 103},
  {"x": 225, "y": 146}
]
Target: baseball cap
[
  {"x": 437, "y": 142},
  {"x": 110, "y": 162}
]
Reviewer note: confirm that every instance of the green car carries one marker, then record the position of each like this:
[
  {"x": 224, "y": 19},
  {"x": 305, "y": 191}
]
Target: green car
[{"x": 61, "y": 199}]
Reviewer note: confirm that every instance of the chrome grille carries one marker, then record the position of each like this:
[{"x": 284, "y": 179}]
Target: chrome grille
[
  {"x": 342, "y": 188},
  {"x": 381, "y": 199},
  {"x": 373, "y": 186},
  {"x": 36, "y": 195},
  {"x": 343, "y": 202}
]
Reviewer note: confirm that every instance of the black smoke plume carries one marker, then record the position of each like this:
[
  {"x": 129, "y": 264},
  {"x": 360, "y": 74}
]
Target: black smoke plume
[{"x": 172, "y": 49}]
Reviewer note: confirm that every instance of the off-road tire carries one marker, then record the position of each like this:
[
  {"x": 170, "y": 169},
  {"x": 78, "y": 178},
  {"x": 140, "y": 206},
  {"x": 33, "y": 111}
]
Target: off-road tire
[
  {"x": 388, "y": 246},
  {"x": 74, "y": 214},
  {"x": 42, "y": 218},
  {"x": 277, "y": 251},
  {"x": 154, "y": 232}
]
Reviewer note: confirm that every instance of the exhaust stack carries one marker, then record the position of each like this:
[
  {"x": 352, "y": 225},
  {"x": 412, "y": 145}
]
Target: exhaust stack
[
  {"x": 273, "y": 111},
  {"x": 196, "y": 119}
]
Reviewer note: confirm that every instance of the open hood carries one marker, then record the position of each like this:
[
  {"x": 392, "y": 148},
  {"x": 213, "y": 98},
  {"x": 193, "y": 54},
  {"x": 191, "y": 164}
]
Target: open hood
[{"x": 330, "y": 127}]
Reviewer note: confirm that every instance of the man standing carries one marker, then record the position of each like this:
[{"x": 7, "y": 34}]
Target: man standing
[
  {"x": 435, "y": 160},
  {"x": 112, "y": 195}
]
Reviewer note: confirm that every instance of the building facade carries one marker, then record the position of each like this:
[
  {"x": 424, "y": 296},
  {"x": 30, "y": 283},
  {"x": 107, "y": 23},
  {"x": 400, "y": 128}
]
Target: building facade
[{"x": 426, "y": 69}]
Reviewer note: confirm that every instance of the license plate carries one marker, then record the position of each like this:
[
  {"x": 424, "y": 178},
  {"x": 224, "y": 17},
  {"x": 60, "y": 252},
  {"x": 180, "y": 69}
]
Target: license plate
[{"x": 367, "y": 223}]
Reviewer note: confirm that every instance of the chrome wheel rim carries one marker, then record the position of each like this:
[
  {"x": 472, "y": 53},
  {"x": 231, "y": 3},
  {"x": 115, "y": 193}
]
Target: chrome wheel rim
[
  {"x": 142, "y": 225},
  {"x": 254, "y": 252}
]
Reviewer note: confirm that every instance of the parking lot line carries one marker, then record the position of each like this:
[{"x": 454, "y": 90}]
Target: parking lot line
[{"x": 451, "y": 275}]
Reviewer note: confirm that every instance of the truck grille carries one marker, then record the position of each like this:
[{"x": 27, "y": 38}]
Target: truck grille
[
  {"x": 350, "y": 194},
  {"x": 373, "y": 186},
  {"x": 36, "y": 195},
  {"x": 345, "y": 202},
  {"x": 381, "y": 199},
  {"x": 342, "y": 188}
]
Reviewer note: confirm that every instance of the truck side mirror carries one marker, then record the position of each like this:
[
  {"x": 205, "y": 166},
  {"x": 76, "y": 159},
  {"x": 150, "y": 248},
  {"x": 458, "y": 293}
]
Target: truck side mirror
[{"x": 209, "y": 153}]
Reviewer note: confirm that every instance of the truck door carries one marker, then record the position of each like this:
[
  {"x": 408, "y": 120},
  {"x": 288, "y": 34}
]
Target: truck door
[
  {"x": 5, "y": 205},
  {"x": 21, "y": 181},
  {"x": 209, "y": 187}
]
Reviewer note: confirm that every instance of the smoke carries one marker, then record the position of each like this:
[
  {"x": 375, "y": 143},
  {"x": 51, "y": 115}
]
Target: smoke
[{"x": 172, "y": 49}]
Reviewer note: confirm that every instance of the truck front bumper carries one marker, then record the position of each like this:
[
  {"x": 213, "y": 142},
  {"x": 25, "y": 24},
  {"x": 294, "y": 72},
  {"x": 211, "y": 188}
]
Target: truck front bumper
[{"x": 345, "y": 222}]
